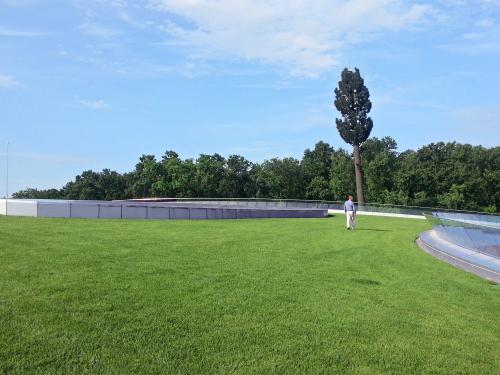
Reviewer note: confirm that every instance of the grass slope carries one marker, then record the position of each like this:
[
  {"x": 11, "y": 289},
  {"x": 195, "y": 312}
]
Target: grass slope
[{"x": 245, "y": 296}]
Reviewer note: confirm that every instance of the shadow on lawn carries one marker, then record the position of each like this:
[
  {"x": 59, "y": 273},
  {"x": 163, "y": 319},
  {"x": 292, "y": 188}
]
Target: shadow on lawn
[
  {"x": 366, "y": 281},
  {"x": 375, "y": 230}
]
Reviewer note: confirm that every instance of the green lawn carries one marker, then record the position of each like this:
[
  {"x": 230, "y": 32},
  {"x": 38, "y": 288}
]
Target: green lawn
[{"x": 295, "y": 296}]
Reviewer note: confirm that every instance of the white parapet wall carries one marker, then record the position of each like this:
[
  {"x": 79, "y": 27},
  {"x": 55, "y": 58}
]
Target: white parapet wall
[
  {"x": 3, "y": 210},
  {"x": 388, "y": 214},
  {"x": 15, "y": 207}
]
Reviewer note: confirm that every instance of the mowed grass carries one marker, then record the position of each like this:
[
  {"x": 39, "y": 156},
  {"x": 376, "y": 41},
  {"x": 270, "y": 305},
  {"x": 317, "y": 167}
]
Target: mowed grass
[{"x": 277, "y": 296}]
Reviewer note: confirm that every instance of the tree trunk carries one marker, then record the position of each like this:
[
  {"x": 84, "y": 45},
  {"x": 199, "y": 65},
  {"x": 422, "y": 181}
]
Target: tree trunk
[{"x": 359, "y": 175}]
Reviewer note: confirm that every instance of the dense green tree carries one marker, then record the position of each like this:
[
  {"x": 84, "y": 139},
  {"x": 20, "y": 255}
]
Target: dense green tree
[
  {"x": 448, "y": 175},
  {"x": 316, "y": 165},
  {"x": 31, "y": 193},
  {"x": 147, "y": 172},
  {"x": 184, "y": 178},
  {"x": 178, "y": 178},
  {"x": 112, "y": 185},
  {"x": 237, "y": 179},
  {"x": 352, "y": 100},
  {"x": 86, "y": 186},
  {"x": 280, "y": 179},
  {"x": 490, "y": 178},
  {"x": 379, "y": 166},
  {"x": 319, "y": 189},
  {"x": 317, "y": 162},
  {"x": 342, "y": 181},
  {"x": 454, "y": 198},
  {"x": 209, "y": 175}
]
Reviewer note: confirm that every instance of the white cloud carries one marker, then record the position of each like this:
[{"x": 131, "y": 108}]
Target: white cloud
[
  {"x": 8, "y": 82},
  {"x": 95, "y": 104},
  {"x": 490, "y": 3},
  {"x": 304, "y": 37},
  {"x": 486, "y": 22},
  {"x": 480, "y": 45},
  {"x": 21, "y": 33},
  {"x": 471, "y": 36},
  {"x": 19, "y": 3},
  {"x": 480, "y": 39},
  {"x": 94, "y": 29},
  {"x": 481, "y": 48}
]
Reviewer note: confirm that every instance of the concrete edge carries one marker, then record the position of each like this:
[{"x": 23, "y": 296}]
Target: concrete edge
[
  {"x": 483, "y": 272},
  {"x": 386, "y": 214}
]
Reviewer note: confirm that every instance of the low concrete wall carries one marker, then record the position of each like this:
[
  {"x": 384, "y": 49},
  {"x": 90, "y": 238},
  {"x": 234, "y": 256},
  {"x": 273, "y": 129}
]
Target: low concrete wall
[
  {"x": 214, "y": 213},
  {"x": 84, "y": 211},
  {"x": 21, "y": 208},
  {"x": 59, "y": 209},
  {"x": 153, "y": 210},
  {"x": 3, "y": 210},
  {"x": 179, "y": 213},
  {"x": 134, "y": 212},
  {"x": 110, "y": 212},
  {"x": 160, "y": 213}
]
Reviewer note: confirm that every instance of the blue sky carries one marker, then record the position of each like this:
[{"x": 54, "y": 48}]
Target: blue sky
[{"x": 94, "y": 84}]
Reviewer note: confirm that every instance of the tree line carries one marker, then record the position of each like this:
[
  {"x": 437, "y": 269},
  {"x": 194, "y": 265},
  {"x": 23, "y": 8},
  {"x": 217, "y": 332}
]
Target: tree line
[{"x": 447, "y": 175}]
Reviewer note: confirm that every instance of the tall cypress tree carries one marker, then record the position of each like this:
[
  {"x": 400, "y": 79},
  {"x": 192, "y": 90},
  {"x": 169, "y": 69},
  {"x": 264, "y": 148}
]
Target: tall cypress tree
[{"x": 352, "y": 100}]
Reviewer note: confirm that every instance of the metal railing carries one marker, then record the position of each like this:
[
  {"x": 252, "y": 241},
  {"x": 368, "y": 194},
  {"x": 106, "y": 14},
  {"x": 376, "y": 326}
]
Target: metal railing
[
  {"x": 411, "y": 211},
  {"x": 333, "y": 205}
]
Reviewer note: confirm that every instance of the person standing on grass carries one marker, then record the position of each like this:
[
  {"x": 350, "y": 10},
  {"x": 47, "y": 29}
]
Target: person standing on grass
[{"x": 350, "y": 211}]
